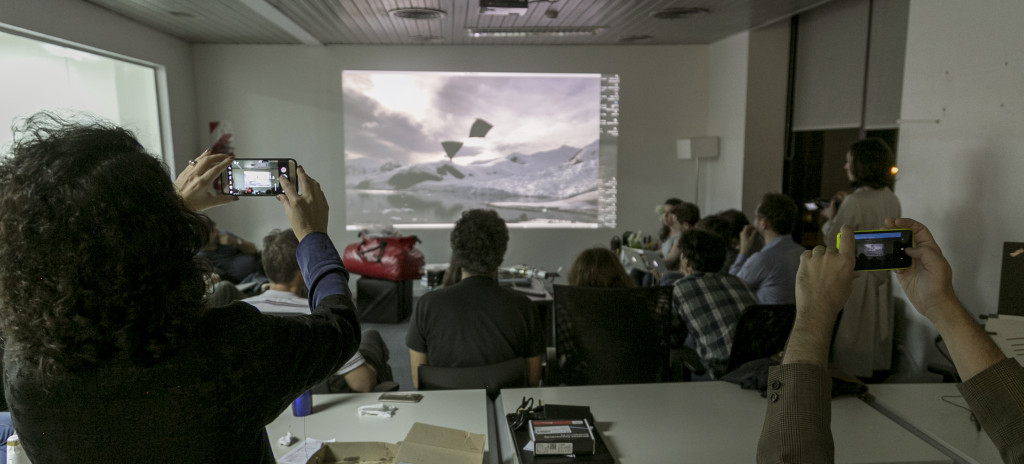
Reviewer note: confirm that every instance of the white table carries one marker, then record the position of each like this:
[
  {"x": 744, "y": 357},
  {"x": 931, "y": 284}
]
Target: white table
[
  {"x": 921, "y": 408},
  {"x": 713, "y": 422},
  {"x": 336, "y": 416}
]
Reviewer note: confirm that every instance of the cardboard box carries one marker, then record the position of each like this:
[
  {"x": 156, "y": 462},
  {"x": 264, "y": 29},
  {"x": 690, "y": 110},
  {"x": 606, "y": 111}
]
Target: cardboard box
[
  {"x": 430, "y": 444},
  {"x": 424, "y": 444},
  {"x": 360, "y": 452}
]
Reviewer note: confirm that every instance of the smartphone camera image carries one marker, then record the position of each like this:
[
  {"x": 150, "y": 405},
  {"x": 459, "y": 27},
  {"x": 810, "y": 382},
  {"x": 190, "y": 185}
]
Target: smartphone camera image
[
  {"x": 880, "y": 250},
  {"x": 256, "y": 177}
]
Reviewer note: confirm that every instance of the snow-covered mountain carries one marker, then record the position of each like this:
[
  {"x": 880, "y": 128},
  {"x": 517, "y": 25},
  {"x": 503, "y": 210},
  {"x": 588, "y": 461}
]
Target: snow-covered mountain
[{"x": 554, "y": 174}]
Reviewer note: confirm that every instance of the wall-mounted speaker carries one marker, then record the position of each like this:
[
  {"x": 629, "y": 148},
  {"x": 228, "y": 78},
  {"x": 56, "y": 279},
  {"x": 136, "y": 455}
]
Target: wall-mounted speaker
[{"x": 697, "y": 147}]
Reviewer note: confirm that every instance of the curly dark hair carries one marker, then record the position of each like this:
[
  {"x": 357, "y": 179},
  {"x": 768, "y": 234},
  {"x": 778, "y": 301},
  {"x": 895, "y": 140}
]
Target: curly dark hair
[
  {"x": 780, "y": 211},
  {"x": 704, "y": 250},
  {"x": 98, "y": 250},
  {"x": 479, "y": 241},
  {"x": 871, "y": 164},
  {"x": 599, "y": 267},
  {"x": 279, "y": 261},
  {"x": 716, "y": 225}
]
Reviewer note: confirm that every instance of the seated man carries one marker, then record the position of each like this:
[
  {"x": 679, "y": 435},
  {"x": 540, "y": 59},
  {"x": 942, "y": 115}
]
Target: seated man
[
  {"x": 797, "y": 423},
  {"x": 284, "y": 296},
  {"x": 770, "y": 272},
  {"x": 708, "y": 303},
  {"x": 475, "y": 322},
  {"x": 232, "y": 258}
]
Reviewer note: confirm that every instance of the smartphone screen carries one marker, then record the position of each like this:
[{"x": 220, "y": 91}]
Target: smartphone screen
[
  {"x": 256, "y": 177},
  {"x": 879, "y": 250}
]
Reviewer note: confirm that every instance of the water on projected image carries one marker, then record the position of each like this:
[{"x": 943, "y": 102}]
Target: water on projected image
[{"x": 420, "y": 148}]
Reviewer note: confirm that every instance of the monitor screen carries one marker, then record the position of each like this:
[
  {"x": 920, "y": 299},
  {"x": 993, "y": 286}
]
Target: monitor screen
[{"x": 421, "y": 147}]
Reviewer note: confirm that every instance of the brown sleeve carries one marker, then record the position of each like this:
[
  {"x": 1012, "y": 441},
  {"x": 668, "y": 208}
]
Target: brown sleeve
[
  {"x": 797, "y": 424},
  {"x": 996, "y": 395}
]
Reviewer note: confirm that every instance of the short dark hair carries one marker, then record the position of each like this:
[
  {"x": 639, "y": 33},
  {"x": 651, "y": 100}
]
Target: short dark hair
[
  {"x": 98, "y": 250},
  {"x": 716, "y": 225},
  {"x": 479, "y": 241},
  {"x": 780, "y": 211},
  {"x": 599, "y": 267},
  {"x": 673, "y": 201},
  {"x": 737, "y": 221},
  {"x": 704, "y": 250},
  {"x": 686, "y": 213},
  {"x": 279, "y": 262},
  {"x": 871, "y": 163}
]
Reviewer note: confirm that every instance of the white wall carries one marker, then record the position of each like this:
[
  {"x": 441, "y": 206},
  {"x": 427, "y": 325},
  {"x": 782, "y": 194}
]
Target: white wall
[
  {"x": 965, "y": 67},
  {"x": 722, "y": 177},
  {"x": 286, "y": 101},
  {"x": 92, "y": 26}
]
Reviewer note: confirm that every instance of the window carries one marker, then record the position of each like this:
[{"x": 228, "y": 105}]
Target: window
[{"x": 39, "y": 75}]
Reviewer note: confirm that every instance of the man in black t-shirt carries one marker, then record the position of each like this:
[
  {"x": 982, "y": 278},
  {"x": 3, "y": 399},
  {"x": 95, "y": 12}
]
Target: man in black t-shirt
[{"x": 475, "y": 322}]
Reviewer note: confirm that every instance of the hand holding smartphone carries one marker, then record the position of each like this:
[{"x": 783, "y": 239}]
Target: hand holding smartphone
[
  {"x": 881, "y": 250},
  {"x": 257, "y": 177}
]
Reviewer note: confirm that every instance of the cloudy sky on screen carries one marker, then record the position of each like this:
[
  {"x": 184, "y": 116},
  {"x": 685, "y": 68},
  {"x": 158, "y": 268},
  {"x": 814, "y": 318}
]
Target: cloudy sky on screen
[{"x": 404, "y": 116}]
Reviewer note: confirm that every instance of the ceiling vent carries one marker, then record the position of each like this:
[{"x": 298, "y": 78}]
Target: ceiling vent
[
  {"x": 417, "y": 13},
  {"x": 678, "y": 13}
]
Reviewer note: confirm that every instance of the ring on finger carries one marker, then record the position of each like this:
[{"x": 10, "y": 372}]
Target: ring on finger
[{"x": 192, "y": 162}]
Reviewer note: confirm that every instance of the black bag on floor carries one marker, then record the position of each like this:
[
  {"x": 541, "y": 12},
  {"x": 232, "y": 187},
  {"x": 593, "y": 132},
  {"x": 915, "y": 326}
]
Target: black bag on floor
[{"x": 379, "y": 300}]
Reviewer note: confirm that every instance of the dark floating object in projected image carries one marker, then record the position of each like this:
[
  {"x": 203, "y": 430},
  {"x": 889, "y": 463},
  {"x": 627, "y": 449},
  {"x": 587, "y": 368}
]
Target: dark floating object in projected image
[
  {"x": 480, "y": 128},
  {"x": 451, "y": 148}
]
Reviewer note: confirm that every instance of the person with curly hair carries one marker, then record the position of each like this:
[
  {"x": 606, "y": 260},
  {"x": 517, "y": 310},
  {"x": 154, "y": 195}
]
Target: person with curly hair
[
  {"x": 475, "y": 322},
  {"x": 111, "y": 355}
]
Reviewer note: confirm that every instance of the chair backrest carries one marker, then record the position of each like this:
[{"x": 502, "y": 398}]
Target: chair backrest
[
  {"x": 617, "y": 335},
  {"x": 761, "y": 332},
  {"x": 493, "y": 377}
]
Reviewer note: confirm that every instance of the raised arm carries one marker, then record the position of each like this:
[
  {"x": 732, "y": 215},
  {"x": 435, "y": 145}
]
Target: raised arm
[{"x": 797, "y": 424}]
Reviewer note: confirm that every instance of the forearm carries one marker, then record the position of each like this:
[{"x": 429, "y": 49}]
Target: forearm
[
  {"x": 996, "y": 395},
  {"x": 797, "y": 422},
  {"x": 321, "y": 268},
  {"x": 970, "y": 347}
]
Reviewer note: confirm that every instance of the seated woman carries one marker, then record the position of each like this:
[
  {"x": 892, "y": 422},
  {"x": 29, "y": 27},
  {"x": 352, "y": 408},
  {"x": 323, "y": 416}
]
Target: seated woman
[
  {"x": 475, "y": 322},
  {"x": 594, "y": 267},
  {"x": 110, "y": 354}
]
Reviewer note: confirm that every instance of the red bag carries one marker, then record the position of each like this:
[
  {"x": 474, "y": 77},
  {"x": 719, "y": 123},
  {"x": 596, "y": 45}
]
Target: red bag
[{"x": 390, "y": 258}]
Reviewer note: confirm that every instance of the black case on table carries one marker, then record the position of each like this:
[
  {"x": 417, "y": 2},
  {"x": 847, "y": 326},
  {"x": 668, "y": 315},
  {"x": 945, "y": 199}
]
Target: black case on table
[
  {"x": 379, "y": 300},
  {"x": 557, "y": 411}
]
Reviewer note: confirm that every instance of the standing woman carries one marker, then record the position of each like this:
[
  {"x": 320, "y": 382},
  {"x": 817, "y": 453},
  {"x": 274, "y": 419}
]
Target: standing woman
[{"x": 864, "y": 340}]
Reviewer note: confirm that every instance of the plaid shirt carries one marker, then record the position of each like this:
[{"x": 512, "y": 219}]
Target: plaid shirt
[{"x": 709, "y": 306}]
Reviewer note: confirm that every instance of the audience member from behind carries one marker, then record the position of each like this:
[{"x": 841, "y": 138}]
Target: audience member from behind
[
  {"x": 864, "y": 338},
  {"x": 722, "y": 228},
  {"x": 798, "y": 418},
  {"x": 737, "y": 221},
  {"x": 770, "y": 272},
  {"x": 110, "y": 354},
  {"x": 708, "y": 303},
  {"x": 233, "y": 259},
  {"x": 285, "y": 297},
  {"x": 598, "y": 267},
  {"x": 475, "y": 322}
]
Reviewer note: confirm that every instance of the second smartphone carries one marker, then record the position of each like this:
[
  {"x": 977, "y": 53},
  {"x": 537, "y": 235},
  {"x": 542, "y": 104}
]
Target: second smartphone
[
  {"x": 257, "y": 177},
  {"x": 879, "y": 250}
]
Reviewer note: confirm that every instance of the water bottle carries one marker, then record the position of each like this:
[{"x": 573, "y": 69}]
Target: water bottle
[
  {"x": 15, "y": 453},
  {"x": 303, "y": 405}
]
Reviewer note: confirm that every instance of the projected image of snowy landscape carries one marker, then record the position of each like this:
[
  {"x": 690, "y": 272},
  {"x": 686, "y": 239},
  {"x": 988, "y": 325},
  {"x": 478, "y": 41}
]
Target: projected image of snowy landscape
[{"x": 420, "y": 148}]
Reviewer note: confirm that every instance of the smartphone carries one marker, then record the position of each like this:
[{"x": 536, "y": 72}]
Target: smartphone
[
  {"x": 400, "y": 397},
  {"x": 881, "y": 250},
  {"x": 256, "y": 177}
]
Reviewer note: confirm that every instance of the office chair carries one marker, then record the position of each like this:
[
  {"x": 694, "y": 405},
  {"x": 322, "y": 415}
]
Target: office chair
[
  {"x": 493, "y": 377},
  {"x": 610, "y": 335},
  {"x": 761, "y": 332}
]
